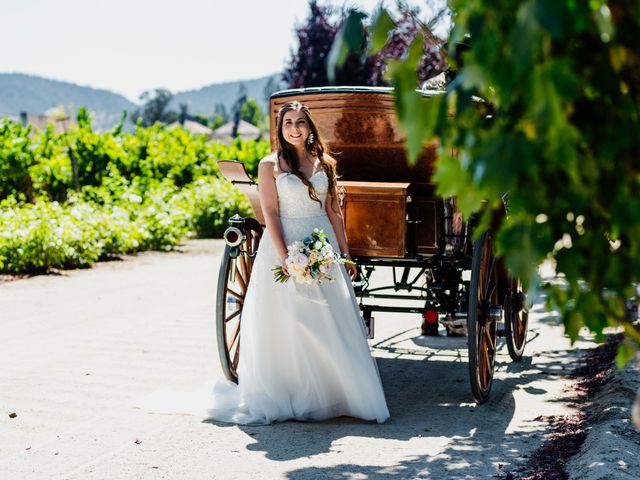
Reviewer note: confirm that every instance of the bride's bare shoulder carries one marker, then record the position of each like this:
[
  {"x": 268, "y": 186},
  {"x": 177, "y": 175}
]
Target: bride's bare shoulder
[
  {"x": 270, "y": 159},
  {"x": 268, "y": 165}
]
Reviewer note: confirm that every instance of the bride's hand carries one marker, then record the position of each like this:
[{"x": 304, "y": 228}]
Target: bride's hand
[
  {"x": 283, "y": 262},
  {"x": 352, "y": 269}
]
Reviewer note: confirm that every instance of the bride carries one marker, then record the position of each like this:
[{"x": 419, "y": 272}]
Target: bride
[{"x": 304, "y": 352}]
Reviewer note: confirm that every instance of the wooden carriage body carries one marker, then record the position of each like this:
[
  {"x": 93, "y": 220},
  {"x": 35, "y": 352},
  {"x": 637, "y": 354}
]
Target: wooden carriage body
[{"x": 390, "y": 207}]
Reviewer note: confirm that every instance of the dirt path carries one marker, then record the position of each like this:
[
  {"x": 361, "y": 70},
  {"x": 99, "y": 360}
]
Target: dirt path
[{"x": 76, "y": 349}]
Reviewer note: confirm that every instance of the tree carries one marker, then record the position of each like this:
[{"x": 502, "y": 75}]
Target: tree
[
  {"x": 202, "y": 119},
  {"x": 155, "y": 108},
  {"x": 183, "y": 113},
  {"x": 274, "y": 84},
  {"x": 358, "y": 66},
  {"x": 251, "y": 112},
  {"x": 236, "y": 109},
  {"x": 307, "y": 67},
  {"x": 220, "y": 116},
  {"x": 546, "y": 106}
]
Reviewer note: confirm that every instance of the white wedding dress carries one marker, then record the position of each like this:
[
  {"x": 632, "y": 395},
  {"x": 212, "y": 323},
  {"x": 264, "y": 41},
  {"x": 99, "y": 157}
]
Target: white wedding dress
[{"x": 304, "y": 353}]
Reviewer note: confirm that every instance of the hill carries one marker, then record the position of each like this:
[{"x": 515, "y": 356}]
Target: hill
[
  {"x": 20, "y": 92},
  {"x": 28, "y": 93},
  {"x": 204, "y": 99}
]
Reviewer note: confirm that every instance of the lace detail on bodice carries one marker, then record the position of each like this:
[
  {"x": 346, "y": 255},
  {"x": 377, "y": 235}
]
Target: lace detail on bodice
[{"x": 293, "y": 195}]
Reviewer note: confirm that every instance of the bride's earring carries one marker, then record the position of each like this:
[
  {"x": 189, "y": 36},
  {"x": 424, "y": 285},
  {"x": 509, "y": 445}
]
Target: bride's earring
[{"x": 310, "y": 139}]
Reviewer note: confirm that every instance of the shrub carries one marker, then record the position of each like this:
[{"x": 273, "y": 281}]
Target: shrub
[{"x": 46, "y": 235}]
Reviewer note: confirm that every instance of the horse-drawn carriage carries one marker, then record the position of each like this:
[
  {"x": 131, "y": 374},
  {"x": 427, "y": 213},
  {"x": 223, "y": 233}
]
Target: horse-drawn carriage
[{"x": 393, "y": 220}]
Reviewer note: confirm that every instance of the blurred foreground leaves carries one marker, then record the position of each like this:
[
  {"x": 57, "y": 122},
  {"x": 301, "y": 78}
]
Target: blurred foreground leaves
[{"x": 545, "y": 105}]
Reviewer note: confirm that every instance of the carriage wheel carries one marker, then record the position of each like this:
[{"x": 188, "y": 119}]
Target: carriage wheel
[
  {"x": 516, "y": 319},
  {"x": 482, "y": 316},
  {"x": 233, "y": 280}
]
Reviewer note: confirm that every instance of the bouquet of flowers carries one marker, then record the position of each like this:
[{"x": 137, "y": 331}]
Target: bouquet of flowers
[{"x": 310, "y": 260}]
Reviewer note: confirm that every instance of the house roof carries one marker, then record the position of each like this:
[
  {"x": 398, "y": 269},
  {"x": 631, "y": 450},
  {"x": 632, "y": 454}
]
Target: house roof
[
  {"x": 60, "y": 124},
  {"x": 193, "y": 127},
  {"x": 246, "y": 131}
]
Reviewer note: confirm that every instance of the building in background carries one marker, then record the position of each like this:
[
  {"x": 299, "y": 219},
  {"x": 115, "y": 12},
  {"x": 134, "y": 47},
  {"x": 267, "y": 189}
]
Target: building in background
[{"x": 246, "y": 131}]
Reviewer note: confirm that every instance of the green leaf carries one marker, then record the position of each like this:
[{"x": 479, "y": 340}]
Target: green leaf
[
  {"x": 625, "y": 353},
  {"x": 348, "y": 40},
  {"x": 381, "y": 25},
  {"x": 473, "y": 77},
  {"x": 551, "y": 15},
  {"x": 449, "y": 176},
  {"x": 354, "y": 30},
  {"x": 521, "y": 261},
  {"x": 573, "y": 321}
]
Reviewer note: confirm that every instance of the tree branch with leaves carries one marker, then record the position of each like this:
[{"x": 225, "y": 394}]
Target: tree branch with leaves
[{"x": 546, "y": 106}]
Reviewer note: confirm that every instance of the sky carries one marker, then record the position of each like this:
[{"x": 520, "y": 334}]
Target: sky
[{"x": 129, "y": 46}]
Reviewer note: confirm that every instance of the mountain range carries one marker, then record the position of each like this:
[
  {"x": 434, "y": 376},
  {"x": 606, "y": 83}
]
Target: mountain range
[{"x": 32, "y": 94}]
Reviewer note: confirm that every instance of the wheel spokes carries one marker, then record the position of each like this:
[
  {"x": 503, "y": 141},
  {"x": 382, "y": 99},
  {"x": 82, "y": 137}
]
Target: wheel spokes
[
  {"x": 487, "y": 356},
  {"x": 491, "y": 288},
  {"x": 486, "y": 285},
  {"x": 248, "y": 244},
  {"x": 234, "y": 295},
  {"x": 486, "y": 294},
  {"x": 484, "y": 366},
  {"x": 240, "y": 275},
  {"x": 234, "y": 336},
  {"x": 246, "y": 265},
  {"x": 487, "y": 370},
  {"x": 236, "y": 358},
  {"x": 232, "y": 316},
  {"x": 488, "y": 280},
  {"x": 489, "y": 340}
]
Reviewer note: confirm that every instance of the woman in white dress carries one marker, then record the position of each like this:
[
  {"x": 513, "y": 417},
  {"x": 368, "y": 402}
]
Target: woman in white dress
[{"x": 304, "y": 353}]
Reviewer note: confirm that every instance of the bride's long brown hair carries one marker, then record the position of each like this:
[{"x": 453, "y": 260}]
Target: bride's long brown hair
[{"x": 317, "y": 148}]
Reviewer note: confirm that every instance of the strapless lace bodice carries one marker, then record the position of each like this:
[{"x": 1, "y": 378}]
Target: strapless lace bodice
[{"x": 293, "y": 195}]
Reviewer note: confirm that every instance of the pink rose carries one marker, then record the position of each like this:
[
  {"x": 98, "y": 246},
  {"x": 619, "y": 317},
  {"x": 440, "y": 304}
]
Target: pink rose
[{"x": 300, "y": 260}]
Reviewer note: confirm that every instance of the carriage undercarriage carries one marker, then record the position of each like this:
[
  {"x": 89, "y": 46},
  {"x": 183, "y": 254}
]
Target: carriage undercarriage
[{"x": 436, "y": 285}]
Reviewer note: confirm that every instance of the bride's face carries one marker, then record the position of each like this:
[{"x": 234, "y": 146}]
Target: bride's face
[{"x": 295, "y": 128}]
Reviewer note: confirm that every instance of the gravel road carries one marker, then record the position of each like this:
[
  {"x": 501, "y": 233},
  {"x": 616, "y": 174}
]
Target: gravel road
[{"x": 79, "y": 347}]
